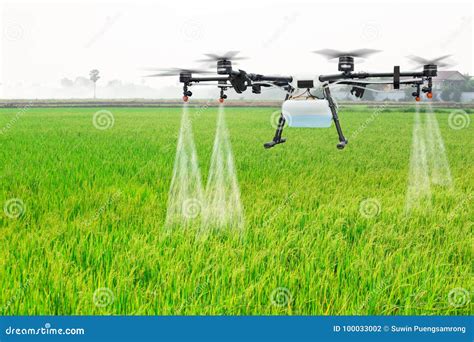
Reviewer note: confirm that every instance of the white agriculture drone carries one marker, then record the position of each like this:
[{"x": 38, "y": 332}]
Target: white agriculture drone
[{"x": 308, "y": 101}]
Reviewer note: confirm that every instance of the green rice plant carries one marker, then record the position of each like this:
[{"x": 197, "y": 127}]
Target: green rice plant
[{"x": 326, "y": 232}]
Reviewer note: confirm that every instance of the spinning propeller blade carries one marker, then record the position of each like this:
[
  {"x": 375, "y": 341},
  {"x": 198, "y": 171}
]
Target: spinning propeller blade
[
  {"x": 175, "y": 71},
  {"x": 361, "y": 53},
  {"x": 420, "y": 61},
  {"x": 228, "y": 56}
]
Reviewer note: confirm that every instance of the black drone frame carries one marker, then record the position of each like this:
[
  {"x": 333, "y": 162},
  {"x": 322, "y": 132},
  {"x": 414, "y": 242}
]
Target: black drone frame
[{"x": 240, "y": 81}]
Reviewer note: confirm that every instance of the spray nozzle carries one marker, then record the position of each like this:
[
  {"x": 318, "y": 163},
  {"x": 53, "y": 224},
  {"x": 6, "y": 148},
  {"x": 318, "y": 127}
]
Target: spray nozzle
[
  {"x": 186, "y": 93},
  {"x": 222, "y": 96},
  {"x": 416, "y": 93}
]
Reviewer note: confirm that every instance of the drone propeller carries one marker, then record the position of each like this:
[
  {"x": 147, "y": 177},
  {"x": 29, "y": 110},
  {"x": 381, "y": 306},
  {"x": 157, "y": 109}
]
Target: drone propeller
[
  {"x": 361, "y": 53},
  {"x": 228, "y": 56},
  {"x": 434, "y": 61},
  {"x": 175, "y": 72}
]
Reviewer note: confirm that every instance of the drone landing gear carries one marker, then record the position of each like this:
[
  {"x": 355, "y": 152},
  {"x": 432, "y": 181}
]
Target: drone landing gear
[
  {"x": 277, "y": 139},
  {"x": 342, "y": 140}
]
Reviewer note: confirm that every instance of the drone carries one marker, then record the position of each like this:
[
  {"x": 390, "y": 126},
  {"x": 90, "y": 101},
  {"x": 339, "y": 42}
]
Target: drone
[{"x": 308, "y": 101}]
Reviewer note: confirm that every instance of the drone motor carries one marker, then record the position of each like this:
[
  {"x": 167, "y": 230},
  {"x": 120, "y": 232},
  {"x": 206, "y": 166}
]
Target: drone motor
[
  {"x": 346, "y": 64},
  {"x": 224, "y": 67}
]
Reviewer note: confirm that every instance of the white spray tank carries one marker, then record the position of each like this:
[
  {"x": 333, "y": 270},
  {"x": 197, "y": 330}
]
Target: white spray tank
[{"x": 304, "y": 111}]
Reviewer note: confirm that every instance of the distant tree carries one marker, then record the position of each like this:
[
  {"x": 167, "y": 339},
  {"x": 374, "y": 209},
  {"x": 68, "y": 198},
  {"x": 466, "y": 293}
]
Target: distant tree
[
  {"x": 114, "y": 83},
  {"x": 446, "y": 92},
  {"x": 469, "y": 84},
  {"x": 66, "y": 83},
  {"x": 94, "y": 77},
  {"x": 457, "y": 92}
]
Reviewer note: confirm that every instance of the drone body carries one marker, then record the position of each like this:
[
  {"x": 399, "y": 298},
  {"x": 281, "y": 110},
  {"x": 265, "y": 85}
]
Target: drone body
[{"x": 308, "y": 101}]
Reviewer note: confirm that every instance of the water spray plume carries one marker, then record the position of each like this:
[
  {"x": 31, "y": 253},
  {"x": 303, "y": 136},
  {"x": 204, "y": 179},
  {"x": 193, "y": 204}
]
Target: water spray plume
[
  {"x": 419, "y": 190},
  {"x": 428, "y": 161},
  {"x": 186, "y": 196},
  {"x": 440, "y": 172},
  {"x": 224, "y": 207}
]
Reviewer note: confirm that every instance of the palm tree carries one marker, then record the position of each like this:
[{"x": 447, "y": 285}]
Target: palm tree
[{"x": 94, "y": 76}]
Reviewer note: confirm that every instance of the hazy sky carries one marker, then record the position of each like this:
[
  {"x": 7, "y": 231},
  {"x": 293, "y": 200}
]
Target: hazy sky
[{"x": 43, "y": 42}]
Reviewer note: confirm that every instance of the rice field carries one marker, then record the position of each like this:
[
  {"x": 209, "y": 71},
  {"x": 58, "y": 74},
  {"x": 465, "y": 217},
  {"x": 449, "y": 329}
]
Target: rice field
[{"x": 326, "y": 232}]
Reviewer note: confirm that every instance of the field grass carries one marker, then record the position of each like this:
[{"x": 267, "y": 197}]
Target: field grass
[{"x": 94, "y": 204}]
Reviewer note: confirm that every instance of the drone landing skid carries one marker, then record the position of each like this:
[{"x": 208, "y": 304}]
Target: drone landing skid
[
  {"x": 277, "y": 139},
  {"x": 273, "y": 143}
]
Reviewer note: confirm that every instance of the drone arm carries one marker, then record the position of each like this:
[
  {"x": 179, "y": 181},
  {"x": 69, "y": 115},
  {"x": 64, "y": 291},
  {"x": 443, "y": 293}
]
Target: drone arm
[
  {"x": 208, "y": 79},
  {"x": 418, "y": 78},
  {"x": 281, "y": 79},
  {"x": 362, "y": 75},
  {"x": 355, "y": 82}
]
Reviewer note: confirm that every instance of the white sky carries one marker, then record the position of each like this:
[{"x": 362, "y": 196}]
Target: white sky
[{"x": 43, "y": 42}]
